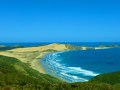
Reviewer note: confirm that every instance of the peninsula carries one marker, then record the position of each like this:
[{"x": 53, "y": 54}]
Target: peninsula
[{"x": 32, "y": 55}]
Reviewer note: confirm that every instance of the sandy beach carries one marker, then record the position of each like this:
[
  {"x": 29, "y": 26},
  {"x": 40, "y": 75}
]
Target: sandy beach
[{"x": 32, "y": 55}]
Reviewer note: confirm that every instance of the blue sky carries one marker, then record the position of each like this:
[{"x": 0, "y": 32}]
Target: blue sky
[{"x": 59, "y": 20}]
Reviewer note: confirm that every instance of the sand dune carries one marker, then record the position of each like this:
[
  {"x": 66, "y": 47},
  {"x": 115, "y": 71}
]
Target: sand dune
[{"x": 32, "y": 55}]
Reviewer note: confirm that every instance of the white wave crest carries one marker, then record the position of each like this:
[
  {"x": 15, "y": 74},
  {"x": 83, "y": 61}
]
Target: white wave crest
[
  {"x": 73, "y": 78},
  {"x": 83, "y": 71},
  {"x": 73, "y": 74}
]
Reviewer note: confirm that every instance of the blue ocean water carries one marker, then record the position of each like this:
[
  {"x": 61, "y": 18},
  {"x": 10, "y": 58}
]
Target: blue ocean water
[
  {"x": 25, "y": 44},
  {"x": 77, "y": 65},
  {"x": 73, "y": 43},
  {"x": 80, "y": 66}
]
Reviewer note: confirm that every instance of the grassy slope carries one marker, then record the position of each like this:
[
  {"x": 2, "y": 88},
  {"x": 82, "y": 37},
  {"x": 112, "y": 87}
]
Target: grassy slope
[
  {"x": 13, "y": 72},
  {"x": 15, "y": 75},
  {"x": 111, "y": 78}
]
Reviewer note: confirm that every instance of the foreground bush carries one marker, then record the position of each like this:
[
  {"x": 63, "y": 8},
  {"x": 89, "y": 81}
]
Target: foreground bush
[{"x": 15, "y": 75}]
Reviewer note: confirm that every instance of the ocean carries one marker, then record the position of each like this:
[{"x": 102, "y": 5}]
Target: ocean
[
  {"x": 73, "y": 43},
  {"x": 78, "y": 65},
  {"x": 81, "y": 66}
]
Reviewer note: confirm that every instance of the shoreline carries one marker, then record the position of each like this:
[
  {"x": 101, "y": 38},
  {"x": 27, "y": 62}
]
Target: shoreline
[
  {"x": 56, "y": 75},
  {"x": 34, "y": 64},
  {"x": 33, "y": 55},
  {"x": 37, "y": 65}
]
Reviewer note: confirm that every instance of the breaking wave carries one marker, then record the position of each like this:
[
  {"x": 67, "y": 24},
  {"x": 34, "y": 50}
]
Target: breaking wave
[{"x": 55, "y": 66}]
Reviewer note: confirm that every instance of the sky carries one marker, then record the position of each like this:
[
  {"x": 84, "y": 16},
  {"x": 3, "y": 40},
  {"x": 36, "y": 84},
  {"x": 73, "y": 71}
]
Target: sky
[{"x": 59, "y": 20}]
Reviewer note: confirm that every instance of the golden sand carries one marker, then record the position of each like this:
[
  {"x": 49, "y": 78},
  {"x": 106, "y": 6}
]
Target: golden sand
[{"x": 32, "y": 55}]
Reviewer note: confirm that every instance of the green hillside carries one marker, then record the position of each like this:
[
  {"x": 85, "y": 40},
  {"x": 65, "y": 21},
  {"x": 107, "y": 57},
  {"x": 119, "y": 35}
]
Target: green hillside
[
  {"x": 15, "y": 75},
  {"x": 111, "y": 78}
]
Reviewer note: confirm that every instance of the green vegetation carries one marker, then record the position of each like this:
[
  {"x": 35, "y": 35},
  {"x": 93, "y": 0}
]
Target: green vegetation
[
  {"x": 73, "y": 47},
  {"x": 15, "y": 75},
  {"x": 109, "y": 46},
  {"x": 111, "y": 78},
  {"x": 3, "y": 48},
  {"x": 50, "y": 50}
]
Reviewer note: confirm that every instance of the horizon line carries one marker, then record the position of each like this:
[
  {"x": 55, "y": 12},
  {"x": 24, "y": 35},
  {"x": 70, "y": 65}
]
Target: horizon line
[{"x": 65, "y": 42}]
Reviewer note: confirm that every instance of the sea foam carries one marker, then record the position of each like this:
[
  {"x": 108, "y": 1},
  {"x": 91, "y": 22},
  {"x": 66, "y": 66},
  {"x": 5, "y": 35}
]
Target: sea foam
[{"x": 67, "y": 73}]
